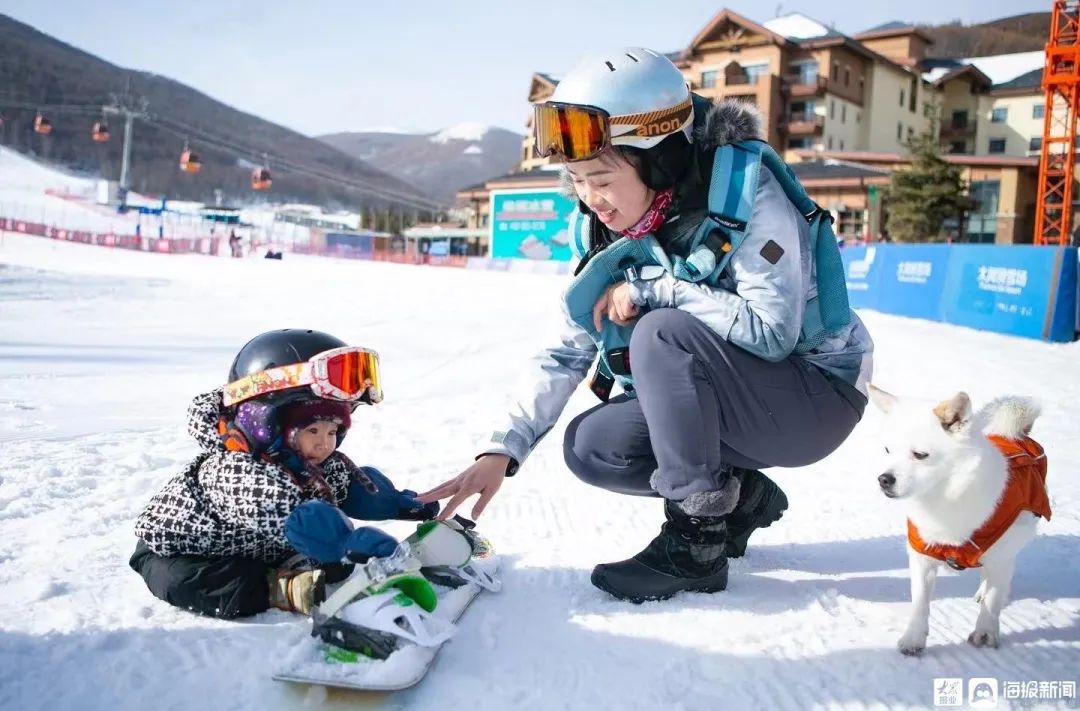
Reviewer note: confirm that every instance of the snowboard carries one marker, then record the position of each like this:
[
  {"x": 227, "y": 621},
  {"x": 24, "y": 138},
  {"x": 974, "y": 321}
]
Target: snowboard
[{"x": 313, "y": 662}]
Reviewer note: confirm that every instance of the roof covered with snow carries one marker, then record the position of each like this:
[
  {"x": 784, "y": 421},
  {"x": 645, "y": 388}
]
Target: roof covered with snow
[
  {"x": 1030, "y": 80},
  {"x": 1001, "y": 69},
  {"x": 1005, "y": 67},
  {"x": 938, "y": 72},
  {"x": 798, "y": 26}
]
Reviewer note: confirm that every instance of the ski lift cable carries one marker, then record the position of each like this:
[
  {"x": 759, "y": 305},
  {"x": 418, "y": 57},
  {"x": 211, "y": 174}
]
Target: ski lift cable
[
  {"x": 233, "y": 148},
  {"x": 205, "y": 137},
  {"x": 411, "y": 199},
  {"x": 185, "y": 131},
  {"x": 93, "y": 109}
]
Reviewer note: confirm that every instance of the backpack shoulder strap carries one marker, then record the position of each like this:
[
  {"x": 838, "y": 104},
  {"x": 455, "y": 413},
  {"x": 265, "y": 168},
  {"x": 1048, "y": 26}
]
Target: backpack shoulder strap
[
  {"x": 733, "y": 185},
  {"x": 735, "y": 176},
  {"x": 829, "y": 311},
  {"x": 577, "y": 230},
  {"x": 786, "y": 177}
]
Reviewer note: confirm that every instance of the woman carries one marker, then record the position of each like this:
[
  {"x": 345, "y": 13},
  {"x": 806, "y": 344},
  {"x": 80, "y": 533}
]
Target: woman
[{"x": 724, "y": 379}]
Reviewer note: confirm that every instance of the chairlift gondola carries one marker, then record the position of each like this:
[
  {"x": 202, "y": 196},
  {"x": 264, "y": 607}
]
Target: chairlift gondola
[
  {"x": 260, "y": 179},
  {"x": 189, "y": 160},
  {"x": 100, "y": 132}
]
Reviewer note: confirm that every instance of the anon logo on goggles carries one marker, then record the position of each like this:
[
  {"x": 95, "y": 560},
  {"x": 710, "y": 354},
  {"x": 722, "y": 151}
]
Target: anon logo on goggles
[
  {"x": 653, "y": 123},
  {"x": 349, "y": 374}
]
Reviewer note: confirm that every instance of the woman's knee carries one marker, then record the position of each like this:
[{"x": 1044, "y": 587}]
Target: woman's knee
[
  {"x": 659, "y": 324},
  {"x": 590, "y": 456},
  {"x": 578, "y": 453},
  {"x": 662, "y": 333}
]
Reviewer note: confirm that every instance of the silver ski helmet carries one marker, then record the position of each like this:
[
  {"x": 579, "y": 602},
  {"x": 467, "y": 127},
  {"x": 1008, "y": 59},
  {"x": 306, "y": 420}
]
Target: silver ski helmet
[{"x": 633, "y": 98}]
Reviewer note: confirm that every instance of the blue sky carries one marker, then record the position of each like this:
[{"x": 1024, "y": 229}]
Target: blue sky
[{"x": 334, "y": 65}]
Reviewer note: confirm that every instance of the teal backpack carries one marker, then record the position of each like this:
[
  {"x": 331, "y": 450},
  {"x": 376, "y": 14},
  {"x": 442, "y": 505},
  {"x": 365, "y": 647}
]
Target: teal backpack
[{"x": 732, "y": 190}]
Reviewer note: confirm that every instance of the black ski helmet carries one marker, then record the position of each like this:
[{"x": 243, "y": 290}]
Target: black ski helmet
[{"x": 283, "y": 346}]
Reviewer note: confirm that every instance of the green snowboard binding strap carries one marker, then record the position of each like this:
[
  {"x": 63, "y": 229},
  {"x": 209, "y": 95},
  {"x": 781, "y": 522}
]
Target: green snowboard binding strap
[
  {"x": 445, "y": 552},
  {"x": 385, "y": 601}
]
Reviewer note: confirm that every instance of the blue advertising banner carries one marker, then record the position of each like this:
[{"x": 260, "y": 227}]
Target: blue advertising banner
[
  {"x": 530, "y": 224},
  {"x": 861, "y": 269},
  {"x": 358, "y": 245},
  {"x": 1010, "y": 289},
  {"x": 1021, "y": 290},
  {"x": 911, "y": 279},
  {"x": 1066, "y": 319}
]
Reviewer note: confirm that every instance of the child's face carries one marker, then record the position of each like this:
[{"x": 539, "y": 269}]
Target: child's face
[{"x": 317, "y": 441}]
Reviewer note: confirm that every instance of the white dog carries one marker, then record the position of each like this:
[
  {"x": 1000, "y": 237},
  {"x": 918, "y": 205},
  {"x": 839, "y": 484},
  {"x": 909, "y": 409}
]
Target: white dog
[{"x": 975, "y": 485}]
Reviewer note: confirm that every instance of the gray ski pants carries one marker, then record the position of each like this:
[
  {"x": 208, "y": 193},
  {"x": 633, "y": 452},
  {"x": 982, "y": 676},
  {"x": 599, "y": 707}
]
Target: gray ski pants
[{"x": 704, "y": 405}]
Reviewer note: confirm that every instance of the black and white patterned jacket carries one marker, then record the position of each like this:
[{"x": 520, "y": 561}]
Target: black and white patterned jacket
[{"x": 230, "y": 503}]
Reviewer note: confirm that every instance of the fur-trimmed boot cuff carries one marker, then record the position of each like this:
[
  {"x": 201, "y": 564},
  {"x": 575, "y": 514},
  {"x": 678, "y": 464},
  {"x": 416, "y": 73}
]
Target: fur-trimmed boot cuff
[{"x": 719, "y": 502}]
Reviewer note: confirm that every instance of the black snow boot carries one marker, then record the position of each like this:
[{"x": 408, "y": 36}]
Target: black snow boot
[
  {"x": 687, "y": 555},
  {"x": 761, "y": 503}
]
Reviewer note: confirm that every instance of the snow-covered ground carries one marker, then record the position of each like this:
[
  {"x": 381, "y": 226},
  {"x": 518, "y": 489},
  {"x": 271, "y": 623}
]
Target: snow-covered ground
[{"x": 100, "y": 352}]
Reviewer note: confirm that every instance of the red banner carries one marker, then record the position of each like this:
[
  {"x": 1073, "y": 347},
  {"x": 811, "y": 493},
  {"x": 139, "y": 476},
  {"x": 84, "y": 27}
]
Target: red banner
[{"x": 201, "y": 245}]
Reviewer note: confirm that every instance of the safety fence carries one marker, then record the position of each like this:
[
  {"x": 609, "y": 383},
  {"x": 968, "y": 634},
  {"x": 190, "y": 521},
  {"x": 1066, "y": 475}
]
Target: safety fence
[{"x": 141, "y": 243}]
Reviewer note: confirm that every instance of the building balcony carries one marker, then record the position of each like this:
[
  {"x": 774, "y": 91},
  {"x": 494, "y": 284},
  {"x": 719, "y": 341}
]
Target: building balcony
[
  {"x": 731, "y": 86},
  {"x": 740, "y": 86},
  {"x": 797, "y": 86},
  {"x": 953, "y": 132},
  {"x": 805, "y": 124}
]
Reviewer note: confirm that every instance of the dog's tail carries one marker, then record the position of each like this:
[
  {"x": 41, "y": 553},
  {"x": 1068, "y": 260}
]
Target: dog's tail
[{"x": 1011, "y": 416}]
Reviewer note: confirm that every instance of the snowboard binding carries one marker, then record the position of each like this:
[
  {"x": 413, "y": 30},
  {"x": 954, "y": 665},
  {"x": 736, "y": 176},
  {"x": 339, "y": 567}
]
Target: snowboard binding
[
  {"x": 446, "y": 551},
  {"x": 388, "y": 601}
]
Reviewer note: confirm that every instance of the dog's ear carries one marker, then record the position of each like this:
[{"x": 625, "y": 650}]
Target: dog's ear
[
  {"x": 883, "y": 400},
  {"x": 954, "y": 413}
]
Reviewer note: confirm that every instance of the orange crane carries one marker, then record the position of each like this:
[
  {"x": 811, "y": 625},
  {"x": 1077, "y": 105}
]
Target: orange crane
[{"x": 1057, "y": 160}]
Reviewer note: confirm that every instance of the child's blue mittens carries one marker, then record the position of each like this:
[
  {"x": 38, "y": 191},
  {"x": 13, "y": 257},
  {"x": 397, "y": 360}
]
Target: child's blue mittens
[
  {"x": 325, "y": 534},
  {"x": 373, "y": 497}
]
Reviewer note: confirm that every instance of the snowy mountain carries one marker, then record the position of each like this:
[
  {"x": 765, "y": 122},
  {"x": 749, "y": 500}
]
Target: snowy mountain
[
  {"x": 439, "y": 163},
  {"x": 36, "y": 67},
  {"x": 472, "y": 132}
]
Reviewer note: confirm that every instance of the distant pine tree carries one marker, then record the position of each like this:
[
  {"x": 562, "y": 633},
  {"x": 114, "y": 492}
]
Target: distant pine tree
[{"x": 924, "y": 196}]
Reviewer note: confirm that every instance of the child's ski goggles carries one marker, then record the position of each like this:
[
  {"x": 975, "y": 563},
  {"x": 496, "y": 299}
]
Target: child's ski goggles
[{"x": 349, "y": 374}]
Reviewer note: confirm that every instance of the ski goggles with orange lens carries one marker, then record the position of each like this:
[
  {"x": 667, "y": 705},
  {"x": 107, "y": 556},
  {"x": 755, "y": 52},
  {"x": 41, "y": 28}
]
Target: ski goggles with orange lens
[
  {"x": 569, "y": 130},
  {"x": 349, "y": 374}
]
